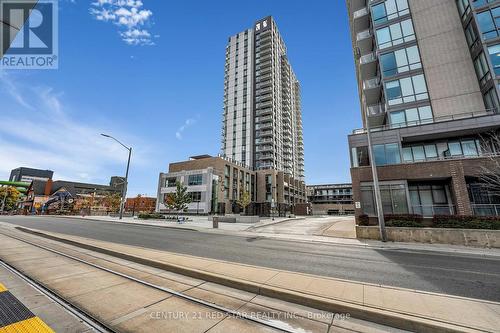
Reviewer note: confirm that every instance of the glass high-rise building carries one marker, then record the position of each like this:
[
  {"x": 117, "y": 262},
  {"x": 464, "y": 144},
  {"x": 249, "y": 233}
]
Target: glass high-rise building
[
  {"x": 428, "y": 75},
  {"x": 262, "y": 122}
]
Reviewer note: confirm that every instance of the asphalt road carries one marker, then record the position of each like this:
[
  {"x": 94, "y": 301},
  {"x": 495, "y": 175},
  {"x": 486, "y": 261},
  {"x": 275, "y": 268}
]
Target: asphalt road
[{"x": 462, "y": 275}]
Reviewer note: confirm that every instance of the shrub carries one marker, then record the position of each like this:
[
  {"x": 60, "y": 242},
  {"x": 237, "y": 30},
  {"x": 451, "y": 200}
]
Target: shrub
[
  {"x": 403, "y": 223},
  {"x": 466, "y": 222},
  {"x": 363, "y": 220},
  {"x": 404, "y": 217},
  {"x": 146, "y": 216}
]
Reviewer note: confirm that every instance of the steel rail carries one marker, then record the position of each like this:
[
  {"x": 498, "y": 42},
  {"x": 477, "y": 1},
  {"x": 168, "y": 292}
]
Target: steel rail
[
  {"x": 89, "y": 320},
  {"x": 241, "y": 315}
]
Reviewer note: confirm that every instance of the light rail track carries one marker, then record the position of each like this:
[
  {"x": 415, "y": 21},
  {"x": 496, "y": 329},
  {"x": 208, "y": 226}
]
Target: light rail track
[{"x": 102, "y": 327}]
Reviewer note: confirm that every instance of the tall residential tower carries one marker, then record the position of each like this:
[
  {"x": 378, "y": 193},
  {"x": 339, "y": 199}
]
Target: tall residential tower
[
  {"x": 262, "y": 122},
  {"x": 428, "y": 74}
]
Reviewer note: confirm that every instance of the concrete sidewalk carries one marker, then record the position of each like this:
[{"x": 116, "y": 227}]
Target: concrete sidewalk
[
  {"x": 247, "y": 230},
  {"x": 403, "y": 308}
]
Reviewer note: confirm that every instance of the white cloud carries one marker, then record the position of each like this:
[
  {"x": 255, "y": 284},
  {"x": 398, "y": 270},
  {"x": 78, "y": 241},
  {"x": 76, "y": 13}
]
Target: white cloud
[
  {"x": 47, "y": 137},
  {"x": 129, "y": 16},
  {"x": 181, "y": 129}
]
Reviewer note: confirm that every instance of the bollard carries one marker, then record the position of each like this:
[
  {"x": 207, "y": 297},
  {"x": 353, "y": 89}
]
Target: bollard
[{"x": 215, "y": 221}]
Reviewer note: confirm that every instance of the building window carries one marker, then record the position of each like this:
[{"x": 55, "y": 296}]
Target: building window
[
  {"x": 400, "y": 61},
  {"x": 394, "y": 200},
  {"x": 406, "y": 90},
  {"x": 395, "y": 34},
  {"x": 360, "y": 157},
  {"x": 482, "y": 69},
  {"x": 494, "y": 51},
  {"x": 171, "y": 182},
  {"x": 491, "y": 100},
  {"x": 480, "y": 3},
  {"x": 463, "y": 8},
  {"x": 388, "y": 10},
  {"x": 195, "y": 196},
  {"x": 470, "y": 34},
  {"x": 420, "y": 153},
  {"x": 466, "y": 148},
  {"x": 387, "y": 154},
  {"x": 429, "y": 200},
  {"x": 195, "y": 179},
  {"x": 410, "y": 117},
  {"x": 489, "y": 23}
]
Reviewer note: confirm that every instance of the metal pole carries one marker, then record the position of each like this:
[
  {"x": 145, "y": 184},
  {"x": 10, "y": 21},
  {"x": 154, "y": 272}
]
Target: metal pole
[
  {"x": 124, "y": 192},
  {"x": 4, "y": 198},
  {"x": 376, "y": 185}
]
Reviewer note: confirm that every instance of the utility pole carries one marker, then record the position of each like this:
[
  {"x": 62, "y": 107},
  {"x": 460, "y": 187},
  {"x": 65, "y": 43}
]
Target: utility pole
[
  {"x": 376, "y": 185},
  {"x": 125, "y": 184},
  {"x": 4, "y": 198}
]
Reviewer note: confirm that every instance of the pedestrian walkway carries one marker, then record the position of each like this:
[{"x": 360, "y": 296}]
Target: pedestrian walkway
[{"x": 404, "y": 308}]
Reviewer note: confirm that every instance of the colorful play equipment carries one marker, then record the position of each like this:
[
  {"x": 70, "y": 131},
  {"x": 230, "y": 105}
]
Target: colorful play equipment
[{"x": 20, "y": 186}]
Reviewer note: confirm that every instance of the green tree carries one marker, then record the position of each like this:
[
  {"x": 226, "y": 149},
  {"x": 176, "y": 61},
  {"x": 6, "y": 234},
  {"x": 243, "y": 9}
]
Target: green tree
[
  {"x": 11, "y": 195},
  {"x": 244, "y": 200},
  {"x": 178, "y": 201}
]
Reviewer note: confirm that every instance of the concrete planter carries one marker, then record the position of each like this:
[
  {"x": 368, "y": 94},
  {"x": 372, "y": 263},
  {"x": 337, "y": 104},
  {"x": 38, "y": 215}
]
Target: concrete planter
[
  {"x": 237, "y": 219},
  {"x": 464, "y": 237}
]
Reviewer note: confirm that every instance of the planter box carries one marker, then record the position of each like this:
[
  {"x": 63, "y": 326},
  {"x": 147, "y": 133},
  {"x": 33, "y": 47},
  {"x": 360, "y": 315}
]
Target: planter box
[
  {"x": 237, "y": 219},
  {"x": 464, "y": 237}
]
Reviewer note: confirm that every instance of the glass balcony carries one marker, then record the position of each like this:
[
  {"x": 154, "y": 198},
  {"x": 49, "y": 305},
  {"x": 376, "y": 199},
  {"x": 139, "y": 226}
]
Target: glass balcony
[
  {"x": 486, "y": 209},
  {"x": 376, "y": 114},
  {"x": 261, "y": 134},
  {"x": 368, "y": 65},
  {"x": 263, "y": 141},
  {"x": 361, "y": 19},
  {"x": 263, "y": 119},
  {"x": 264, "y": 112},
  {"x": 357, "y": 4},
  {"x": 372, "y": 90},
  {"x": 264, "y": 126},
  {"x": 264, "y": 148},
  {"x": 264, "y": 105},
  {"x": 431, "y": 210},
  {"x": 364, "y": 41}
]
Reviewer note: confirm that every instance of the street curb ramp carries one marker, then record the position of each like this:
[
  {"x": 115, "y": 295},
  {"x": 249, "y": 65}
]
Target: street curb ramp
[{"x": 399, "y": 320}]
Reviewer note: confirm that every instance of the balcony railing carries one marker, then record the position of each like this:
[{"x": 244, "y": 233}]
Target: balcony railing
[
  {"x": 371, "y": 83},
  {"x": 431, "y": 210},
  {"x": 361, "y": 12},
  {"x": 367, "y": 58},
  {"x": 486, "y": 209},
  {"x": 461, "y": 116},
  {"x": 375, "y": 110}
]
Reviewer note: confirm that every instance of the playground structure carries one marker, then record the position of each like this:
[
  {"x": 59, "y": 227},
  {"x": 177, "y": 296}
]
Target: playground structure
[
  {"x": 61, "y": 200},
  {"x": 22, "y": 187}
]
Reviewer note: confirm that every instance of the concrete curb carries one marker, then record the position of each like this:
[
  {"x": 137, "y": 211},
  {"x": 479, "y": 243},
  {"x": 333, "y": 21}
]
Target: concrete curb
[
  {"x": 126, "y": 223},
  {"x": 274, "y": 223},
  {"x": 399, "y": 320}
]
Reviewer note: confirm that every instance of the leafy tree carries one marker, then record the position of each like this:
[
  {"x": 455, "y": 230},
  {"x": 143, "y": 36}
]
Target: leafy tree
[
  {"x": 112, "y": 201},
  {"x": 178, "y": 201},
  {"x": 11, "y": 196},
  {"x": 244, "y": 200}
]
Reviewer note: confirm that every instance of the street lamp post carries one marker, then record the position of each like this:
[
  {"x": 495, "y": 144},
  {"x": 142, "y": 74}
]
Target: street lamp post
[
  {"x": 376, "y": 185},
  {"x": 124, "y": 190}
]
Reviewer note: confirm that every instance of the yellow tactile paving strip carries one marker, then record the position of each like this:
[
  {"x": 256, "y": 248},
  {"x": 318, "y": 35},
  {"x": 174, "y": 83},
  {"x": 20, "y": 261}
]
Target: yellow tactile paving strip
[
  {"x": 34, "y": 324},
  {"x": 15, "y": 317}
]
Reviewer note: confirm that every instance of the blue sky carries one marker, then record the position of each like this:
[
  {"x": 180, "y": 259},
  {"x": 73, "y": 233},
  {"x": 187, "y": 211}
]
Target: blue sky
[{"x": 152, "y": 73}]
